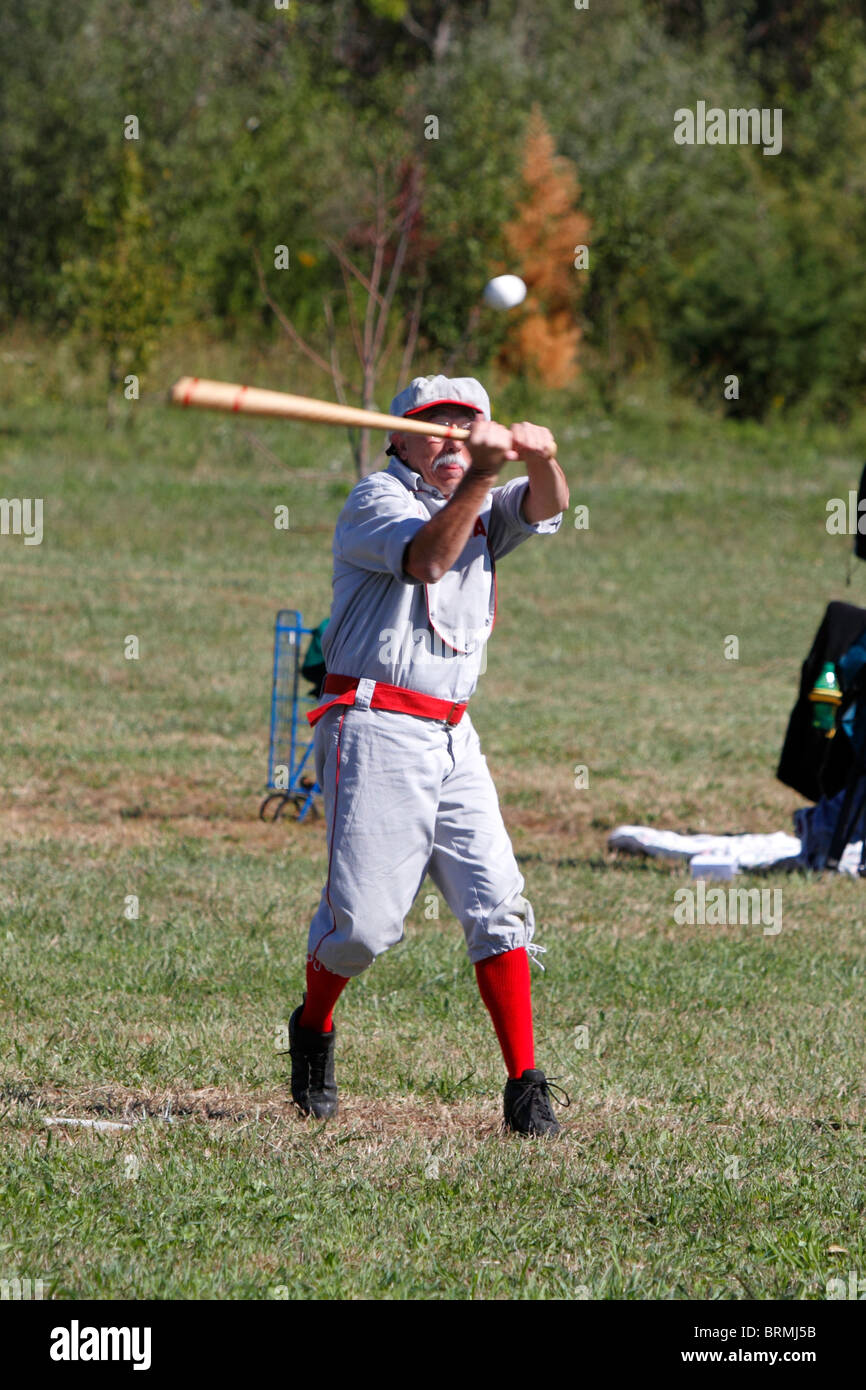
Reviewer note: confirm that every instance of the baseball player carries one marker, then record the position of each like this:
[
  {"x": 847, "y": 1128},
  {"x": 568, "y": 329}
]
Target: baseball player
[{"x": 406, "y": 789}]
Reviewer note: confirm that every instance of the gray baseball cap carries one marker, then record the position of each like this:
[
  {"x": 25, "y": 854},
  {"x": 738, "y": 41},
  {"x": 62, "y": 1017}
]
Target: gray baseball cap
[{"x": 424, "y": 392}]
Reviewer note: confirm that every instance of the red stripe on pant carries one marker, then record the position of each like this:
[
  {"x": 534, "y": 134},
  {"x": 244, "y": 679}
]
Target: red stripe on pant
[
  {"x": 323, "y": 986},
  {"x": 333, "y": 841}
]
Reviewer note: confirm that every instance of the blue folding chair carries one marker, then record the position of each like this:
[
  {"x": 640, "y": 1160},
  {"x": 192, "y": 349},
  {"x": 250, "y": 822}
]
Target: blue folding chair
[{"x": 291, "y": 741}]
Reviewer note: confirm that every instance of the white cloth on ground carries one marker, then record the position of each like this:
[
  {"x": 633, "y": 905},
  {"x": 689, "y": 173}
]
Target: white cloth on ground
[{"x": 745, "y": 852}]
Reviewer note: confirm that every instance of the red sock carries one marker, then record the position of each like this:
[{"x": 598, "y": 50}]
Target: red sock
[
  {"x": 504, "y": 984},
  {"x": 323, "y": 990}
]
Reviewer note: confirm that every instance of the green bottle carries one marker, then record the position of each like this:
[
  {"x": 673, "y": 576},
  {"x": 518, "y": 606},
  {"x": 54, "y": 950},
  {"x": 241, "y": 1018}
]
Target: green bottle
[{"x": 825, "y": 696}]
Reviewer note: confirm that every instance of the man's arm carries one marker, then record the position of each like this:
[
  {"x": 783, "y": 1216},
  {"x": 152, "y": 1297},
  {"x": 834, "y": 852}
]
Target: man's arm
[
  {"x": 547, "y": 494},
  {"x": 434, "y": 548}
]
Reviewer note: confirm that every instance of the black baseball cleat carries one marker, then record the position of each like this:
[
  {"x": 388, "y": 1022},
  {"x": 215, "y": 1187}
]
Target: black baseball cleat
[
  {"x": 314, "y": 1087},
  {"x": 527, "y": 1104}
]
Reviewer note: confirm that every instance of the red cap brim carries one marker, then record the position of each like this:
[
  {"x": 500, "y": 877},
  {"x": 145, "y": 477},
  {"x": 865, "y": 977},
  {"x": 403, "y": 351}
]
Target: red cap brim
[{"x": 434, "y": 405}]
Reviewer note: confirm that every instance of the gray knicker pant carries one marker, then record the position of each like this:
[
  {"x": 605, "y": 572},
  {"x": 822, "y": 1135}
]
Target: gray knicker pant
[{"x": 403, "y": 797}]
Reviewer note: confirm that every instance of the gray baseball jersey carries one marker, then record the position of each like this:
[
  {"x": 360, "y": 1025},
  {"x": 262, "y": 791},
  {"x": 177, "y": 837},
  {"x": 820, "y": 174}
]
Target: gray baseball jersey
[{"x": 393, "y": 628}]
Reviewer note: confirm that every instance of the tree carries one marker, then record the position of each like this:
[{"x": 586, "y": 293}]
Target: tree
[
  {"x": 542, "y": 240},
  {"x": 118, "y": 295},
  {"x": 371, "y": 257}
]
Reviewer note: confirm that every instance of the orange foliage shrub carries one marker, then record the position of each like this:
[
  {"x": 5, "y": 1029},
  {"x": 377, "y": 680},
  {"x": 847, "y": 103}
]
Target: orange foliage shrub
[{"x": 541, "y": 239}]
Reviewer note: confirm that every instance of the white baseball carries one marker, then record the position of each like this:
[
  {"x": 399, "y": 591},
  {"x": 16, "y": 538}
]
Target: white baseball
[{"x": 504, "y": 292}]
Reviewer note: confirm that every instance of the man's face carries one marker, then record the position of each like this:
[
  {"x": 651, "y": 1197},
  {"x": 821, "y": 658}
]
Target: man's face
[{"x": 441, "y": 462}]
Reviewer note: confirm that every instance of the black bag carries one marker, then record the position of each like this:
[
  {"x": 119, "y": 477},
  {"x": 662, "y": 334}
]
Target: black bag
[
  {"x": 851, "y": 729},
  {"x": 811, "y": 763},
  {"x": 314, "y": 669},
  {"x": 860, "y": 538}
]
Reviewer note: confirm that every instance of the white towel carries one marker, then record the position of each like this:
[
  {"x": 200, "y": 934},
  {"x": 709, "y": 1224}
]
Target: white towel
[{"x": 743, "y": 851}]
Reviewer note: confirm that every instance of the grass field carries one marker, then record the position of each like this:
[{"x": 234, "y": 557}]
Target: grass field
[{"x": 714, "y": 1147}]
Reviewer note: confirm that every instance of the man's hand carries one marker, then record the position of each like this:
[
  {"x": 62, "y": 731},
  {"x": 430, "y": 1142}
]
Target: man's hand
[
  {"x": 490, "y": 446},
  {"x": 433, "y": 550},
  {"x": 532, "y": 443}
]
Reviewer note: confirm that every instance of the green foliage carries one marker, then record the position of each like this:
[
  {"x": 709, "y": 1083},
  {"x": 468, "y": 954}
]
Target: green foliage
[
  {"x": 261, "y": 127},
  {"x": 388, "y": 9},
  {"x": 117, "y": 297},
  {"x": 772, "y": 299},
  {"x": 471, "y": 188},
  {"x": 718, "y": 259}
]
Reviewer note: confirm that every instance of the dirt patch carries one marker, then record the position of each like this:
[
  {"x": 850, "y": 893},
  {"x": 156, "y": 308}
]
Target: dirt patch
[
  {"x": 358, "y": 1115},
  {"x": 120, "y": 1103},
  {"x": 364, "y": 1117},
  {"x": 379, "y": 1121},
  {"x": 143, "y": 813}
]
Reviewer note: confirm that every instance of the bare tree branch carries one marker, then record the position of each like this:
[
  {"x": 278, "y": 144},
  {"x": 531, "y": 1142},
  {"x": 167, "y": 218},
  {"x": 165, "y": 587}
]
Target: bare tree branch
[
  {"x": 411, "y": 337},
  {"x": 353, "y": 315},
  {"x": 332, "y": 344},
  {"x": 408, "y": 219},
  {"x": 468, "y": 332},
  {"x": 355, "y": 442},
  {"x": 376, "y": 274},
  {"x": 263, "y": 448},
  {"x": 411, "y": 25},
  {"x": 376, "y": 332},
  {"x": 442, "y": 37},
  {"x": 348, "y": 264},
  {"x": 285, "y": 322},
  {"x": 438, "y": 41}
]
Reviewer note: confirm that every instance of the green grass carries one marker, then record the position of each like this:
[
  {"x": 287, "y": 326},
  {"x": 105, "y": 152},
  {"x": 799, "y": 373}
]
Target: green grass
[{"x": 714, "y": 1144}]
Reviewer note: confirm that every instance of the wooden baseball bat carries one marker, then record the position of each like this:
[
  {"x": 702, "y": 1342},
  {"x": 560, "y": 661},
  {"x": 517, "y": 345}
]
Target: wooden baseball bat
[{"x": 251, "y": 400}]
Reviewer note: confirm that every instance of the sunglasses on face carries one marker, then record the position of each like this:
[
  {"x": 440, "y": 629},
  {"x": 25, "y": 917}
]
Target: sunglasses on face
[{"x": 462, "y": 423}]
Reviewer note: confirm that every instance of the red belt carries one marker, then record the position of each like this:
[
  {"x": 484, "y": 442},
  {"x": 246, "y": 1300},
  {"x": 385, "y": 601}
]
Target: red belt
[{"x": 393, "y": 697}]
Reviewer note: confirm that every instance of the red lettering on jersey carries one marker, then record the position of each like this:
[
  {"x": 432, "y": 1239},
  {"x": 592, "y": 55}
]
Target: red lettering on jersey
[{"x": 479, "y": 528}]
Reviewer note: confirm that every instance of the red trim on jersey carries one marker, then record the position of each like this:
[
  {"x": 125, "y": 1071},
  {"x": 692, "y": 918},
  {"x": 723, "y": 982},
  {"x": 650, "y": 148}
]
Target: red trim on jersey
[
  {"x": 495, "y": 590},
  {"x": 431, "y": 624},
  {"x": 478, "y": 531}
]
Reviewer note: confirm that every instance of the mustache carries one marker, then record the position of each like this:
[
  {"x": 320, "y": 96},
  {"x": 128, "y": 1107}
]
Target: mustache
[{"x": 445, "y": 460}]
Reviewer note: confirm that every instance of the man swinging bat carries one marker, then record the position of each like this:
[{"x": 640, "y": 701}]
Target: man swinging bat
[{"x": 406, "y": 789}]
